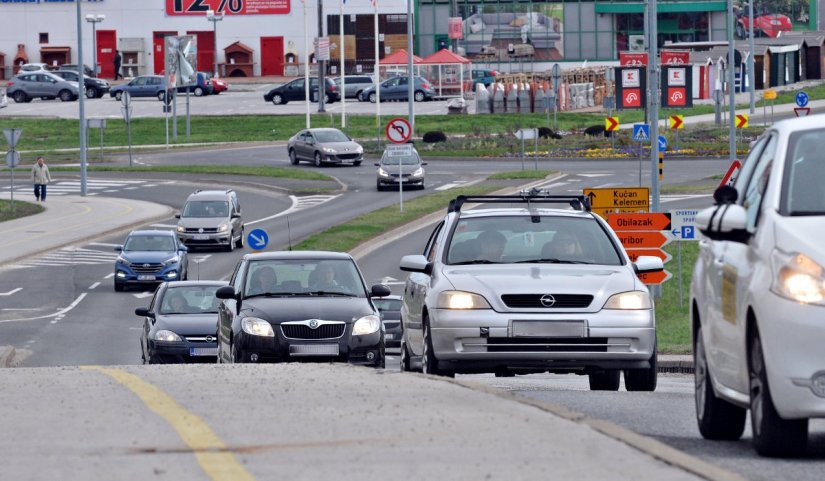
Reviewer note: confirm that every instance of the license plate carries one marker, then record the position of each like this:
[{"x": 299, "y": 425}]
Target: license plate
[
  {"x": 146, "y": 277},
  {"x": 313, "y": 350},
  {"x": 389, "y": 336},
  {"x": 203, "y": 351},
  {"x": 201, "y": 237},
  {"x": 548, "y": 329}
]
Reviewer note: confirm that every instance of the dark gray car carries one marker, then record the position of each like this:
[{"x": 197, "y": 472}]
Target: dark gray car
[
  {"x": 323, "y": 146},
  {"x": 355, "y": 84},
  {"x": 397, "y": 88},
  {"x": 27, "y": 86},
  {"x": 390, "y": 309},
  {"x": 407, "y": 170}
]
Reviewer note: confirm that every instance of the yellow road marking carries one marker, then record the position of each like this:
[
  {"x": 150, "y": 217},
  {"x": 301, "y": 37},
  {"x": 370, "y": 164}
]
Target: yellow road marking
[{"x": 208, "y": 448}]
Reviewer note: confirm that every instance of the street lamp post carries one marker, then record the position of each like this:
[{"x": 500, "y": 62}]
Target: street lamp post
[
  {"x": 214, "y": 18},
  {"x": 94, "y": 19}
]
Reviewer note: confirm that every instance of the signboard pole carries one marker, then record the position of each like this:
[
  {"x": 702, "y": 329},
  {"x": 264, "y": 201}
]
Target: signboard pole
[
  {"x": 322, "y": 86},
  {"x": 731, "y": 68},
  {"x": 400, "y": 185},
  {"x": 653, "y": 66},
  {"x": 376, "y": 74},
  {"x": 522, "y": 152},
  {"x": 751, "y": 73},
  {"x": 410, "y": 74},
  {"x": 12, "y": 190},
  {"x": 679, "y": 261},
  {"x": 174, "y": 116},
  {"x": 81, "y": 104},
  {"x": 341, "y": 61},
  {"x": 188, "y": 123}
]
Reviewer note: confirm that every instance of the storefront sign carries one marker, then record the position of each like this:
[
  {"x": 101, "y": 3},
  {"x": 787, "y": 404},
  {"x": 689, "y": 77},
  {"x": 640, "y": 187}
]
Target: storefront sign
[
  {"x": 676, "y": 77},
  {"x": 630, "y": 87},
  {"x": 454, "y": 29},
  {"x": 632, "y": 59},
  {"x": 227, "y": 7},
  {"x": 631, "y": 78},
  {"x": 675, "y": 57},
  {"x": 677, "y": 87}
]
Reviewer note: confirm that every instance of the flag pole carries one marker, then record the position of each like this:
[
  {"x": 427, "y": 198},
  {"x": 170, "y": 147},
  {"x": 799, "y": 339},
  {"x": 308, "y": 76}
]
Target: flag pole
[
  {"x": 306, "y": 63},
  {"x": 341, "y": 59},
  {"x": 377, "y": 77}
]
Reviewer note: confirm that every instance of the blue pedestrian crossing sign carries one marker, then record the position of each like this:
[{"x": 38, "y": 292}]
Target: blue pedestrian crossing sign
[
  {"x": 641, "y": 132},
  {"x": 801, "y": 98},
  {"x": 257, "y": 239},
  {"x": 662, "y": 143}
]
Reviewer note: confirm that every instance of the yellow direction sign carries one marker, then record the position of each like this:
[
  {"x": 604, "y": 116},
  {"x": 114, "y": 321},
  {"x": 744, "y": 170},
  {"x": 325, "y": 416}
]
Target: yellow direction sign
[
  {"x": 621, "y": 200},
  {"x": 677, "y": 121},
  {"x": 741, "y": 121},
  {"x": 604, "y": 212},
  {"x": 611, "y": 123},
  {"x": 769, "y": 95}
]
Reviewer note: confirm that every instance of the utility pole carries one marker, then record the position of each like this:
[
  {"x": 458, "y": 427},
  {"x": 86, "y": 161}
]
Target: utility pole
[
  {"x": 653, "y": 66},
  {"x": 410, "y": 73},
  {"x": 80, "y": 97},
  {"x": 322, "y": 86},
  {"x": 731, "y": 68},
  {"x": 751, "y": 73}
]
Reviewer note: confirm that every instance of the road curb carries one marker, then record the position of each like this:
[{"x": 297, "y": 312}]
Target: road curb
[
  {"x": 645, "y": 444},
  {"x": 6, "y": 356},
  {"x": 681, "y": 366}
]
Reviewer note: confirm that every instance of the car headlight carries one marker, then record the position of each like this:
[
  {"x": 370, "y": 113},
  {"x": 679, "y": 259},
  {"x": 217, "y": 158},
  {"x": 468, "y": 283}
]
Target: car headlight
[
  {"x": 418, "y": 172},
  {"x": 223, "y": 228},
  {"x": 382, "y": 172},
  {"x": 166, "y": 336},
  {"x": 328, "y": 150},
  {"x": 173, "y": 260},
  {"x": 798, "y": 277},
  {"x": 122, "y": 260},
  {"x": 632, "y": 300},
  {"x": 359, "y": 150},
  {"x": 461, "y": 300},
  {"x": 181, "y": 229},
  {"x": 366, "y": 325},
  {"x": 257, "y": 327}
]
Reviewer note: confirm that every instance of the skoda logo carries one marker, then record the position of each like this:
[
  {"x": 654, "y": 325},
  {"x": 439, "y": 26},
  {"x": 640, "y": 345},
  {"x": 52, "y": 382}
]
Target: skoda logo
[
  {"x": 200, "y": 230},
  {"x": 313, "y": 324},
  {"x": 547, "y": 300},
  {"x": 209, "y": 338}
]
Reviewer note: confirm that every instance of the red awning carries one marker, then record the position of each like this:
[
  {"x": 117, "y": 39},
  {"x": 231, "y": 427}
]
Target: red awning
[
  {"x": 399, "y": 58},
  {"x": 445, "y": 57}
]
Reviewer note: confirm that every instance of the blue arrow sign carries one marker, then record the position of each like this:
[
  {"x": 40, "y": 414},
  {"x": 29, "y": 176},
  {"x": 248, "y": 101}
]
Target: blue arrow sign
[
  {"x": 641, "y": 132},
  {"x": 257, "y": 239},
  {"x": 801, "y": 99},
  {"x": 662, "y": 143}
]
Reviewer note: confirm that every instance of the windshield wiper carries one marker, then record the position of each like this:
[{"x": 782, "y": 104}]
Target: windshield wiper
[
  {"x": 476, "y": 261},
  {"x": 550, "y": 261},
  {"x": 267, "y": 294},
  {"x": 330, "y": 293}
]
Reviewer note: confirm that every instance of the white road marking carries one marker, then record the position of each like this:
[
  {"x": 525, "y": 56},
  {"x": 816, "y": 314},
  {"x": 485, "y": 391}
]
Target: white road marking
[
  {"x": 111, "y": 274},
  {"x": 20, "y": 309},
  {"x": 596, "y": 174},
  {"x": 451, "y": 185},
  {"x": 199, "y": 259},
  {"x": 102, "y": 244},
  {"x": 57, "y": 314},
  {"x": 11, "y": 292},
  {"x": 164, "y": 226},
  {"x": 298, "y": 203},
  {"x": 68, "y": 256},
  {"x": 94, "y": 285},
  {"x": 130, "y": 188}
]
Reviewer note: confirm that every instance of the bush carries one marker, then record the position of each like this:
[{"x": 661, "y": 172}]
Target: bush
[
  {"x": 548, "y": 133},
  {"x": 434, "y": 136}
]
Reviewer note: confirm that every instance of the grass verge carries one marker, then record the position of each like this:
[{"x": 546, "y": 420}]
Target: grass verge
[
  {"x": 672, "y": 317},
  {"x": 262, "y": 171},
  {"x": 21, "y": 209},
  {"x": 521, "y": 174}
]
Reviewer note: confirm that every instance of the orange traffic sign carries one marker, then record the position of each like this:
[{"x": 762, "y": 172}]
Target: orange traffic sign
[
  {"x": 655, "y": 277},
  {"x": 677, "y": 121},
  {"x": 636, "y": 198},
  {"x": 639, "y": 240},
  {"x": 741, "y": 121},
  {"x": 611, "y": 123},
  {"x": 639, "y": 221},
  {"x": 604, "y": 212},
  {"x": 769, "y": 95},
  {"x": 635, "y": 253}
]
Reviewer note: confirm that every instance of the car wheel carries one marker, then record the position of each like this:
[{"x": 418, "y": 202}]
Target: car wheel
[
  {"x": 405, "y": 358},
  {"x": 239, "y": 244},
  {"x": 421, "y": 186},
  {"x": 429, "y": 363},
  {"x": 419, "y": 96},
  {"x": 230, "y": 247},
  {"x": 326, "y": 99},
  {"x": 161, "y": 96},
  {"x": 318, "y": 161},
  {"x": 91, "y": 92},
  {"x": 772, "y": 435},
  {"x": 277, "y": 99},
  {"x": 235, "y": 355},
  {"x": 604, "y": 381},
  {"x": 118, "y": 287},
  {"x": 20, "y": 97},
  {"x": 198, "y": 92},
  {"x": 293, "y": 157},
  {"x": 119, "y": 95},
  {"x": 717, "y": 418},
  {"x": 372, "y": 97},
  {"x": 378, "y": 186},
  {"x": 356, "y": 163},
  {"x": 643, "y": 379},
  {"x": 65, "y": 96},
  {"x": 358, "y": 96}
]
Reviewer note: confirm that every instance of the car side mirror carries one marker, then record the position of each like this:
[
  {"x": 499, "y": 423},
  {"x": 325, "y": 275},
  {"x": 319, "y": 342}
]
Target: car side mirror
[
  {"x": 377, "y": 164},
  {"x": 236, "y": 215},
  {"x": 143, "y": 312},
  {"x": 424, "y": 163},
  {"x": 380, "y": 290},
  {"x": 183, "y": 248},
  {"x": 416, "y": 263},
  {"x": 648, "y": 264},
  {"x": 226, "y": 292},
  {"x": 177, "y": 216},
  {"x": 118, "y": 249},
  {"x": 724, "y": 222}
]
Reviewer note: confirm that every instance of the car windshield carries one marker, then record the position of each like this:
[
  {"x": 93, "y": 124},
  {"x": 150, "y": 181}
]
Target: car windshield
[
  {"x": 304, "y": 277},
  {"x": 802, "y": 192},
  {"x": 387, "y": 304},
  {"x": 330, "y": 136},
  {"x": 190, "y": 300},
  {"x": 543, "y": 239},
  {"x": 400, "y": 159},
  {"x": 160, "y": 243},
  {"x": 206, "y": 208}
]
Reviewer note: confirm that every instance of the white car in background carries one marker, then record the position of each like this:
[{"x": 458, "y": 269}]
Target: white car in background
[{"x": 758, "y": 294}]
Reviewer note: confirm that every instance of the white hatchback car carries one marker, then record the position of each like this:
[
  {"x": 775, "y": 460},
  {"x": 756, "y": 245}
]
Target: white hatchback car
[
  {"x": 529, "y": 289},
  {"x": 758, "y": 294}
]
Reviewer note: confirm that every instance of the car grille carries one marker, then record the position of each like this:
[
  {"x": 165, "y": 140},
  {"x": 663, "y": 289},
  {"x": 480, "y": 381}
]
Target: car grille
[
  {"x": 146, "y": 268},
  {"x": 391, "y": 324},
  {"x": 206, "y": 230},
  {"x": 562, "y": 301},
  {"x": 547, "y": 344},
  {"x": 324, "y": 331},
  {"x": 348, "y": 156},
  {"x": 396, "y": 175}
]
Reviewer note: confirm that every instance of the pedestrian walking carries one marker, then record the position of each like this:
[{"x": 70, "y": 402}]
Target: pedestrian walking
[
  {"x": 117, "y": 64},
  {"x": 40, "y": 178}
]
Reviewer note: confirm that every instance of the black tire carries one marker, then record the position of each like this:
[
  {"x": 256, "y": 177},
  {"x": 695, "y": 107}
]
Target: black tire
[
  {"x": 219, "y": 359},
  {"x": 118, "y": 287},
  {"x": 239, "y": 244},
  {"x": 230, "y": 247},
  {"x": 198, "y": 92},
  {"x": 293, "y": 157},
  {"x": 418, "y": 96},
  {"x": 278, "y": 99},
  {"x": 405, "y": 358},
  {"x": 772, "y": 435},
  {"x": 91, "y": 92},
  {"x": 356, "y": 163},
  {"x": 717, "y": 418},
  {"x": 372, "y": 97},
  {"x": 161, "y": 96},
  {"x": 605, "y": 381},
  {"x": 429, "y": 363},
  {"x": 643, "y": 379},
  {"x": 119, "y": 96},
  {"x": 318, "y": 161},
  {"x": 326, "y": 99},
  {"x": 378, "y": 186},
  {"x": 20, "y": 97},
  {"x": 358, "y": 95}
]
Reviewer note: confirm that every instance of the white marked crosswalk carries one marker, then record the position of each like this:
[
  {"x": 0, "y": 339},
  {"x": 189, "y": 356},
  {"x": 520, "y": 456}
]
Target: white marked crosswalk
[
  {"x": 72, "y": 187},
  {"x": 457, "y": 183},
  {"x": 69, "y": 256},
  {"x": 307, "y": 201}
]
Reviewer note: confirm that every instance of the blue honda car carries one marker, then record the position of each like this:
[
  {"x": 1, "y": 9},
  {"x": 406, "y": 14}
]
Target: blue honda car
[{"x": 149, "y": 257}]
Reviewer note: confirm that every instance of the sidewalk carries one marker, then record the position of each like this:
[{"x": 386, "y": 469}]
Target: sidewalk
[{"x": 73, "y": 219}]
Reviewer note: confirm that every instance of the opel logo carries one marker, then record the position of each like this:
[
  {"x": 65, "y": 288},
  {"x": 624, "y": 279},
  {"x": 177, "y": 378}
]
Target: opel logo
[
  {"x": 209, "y": 338},
  {"x": 200, "y": 230},
  {"x": 313, "y": 324},
  {"x": 548, "y": 300}
]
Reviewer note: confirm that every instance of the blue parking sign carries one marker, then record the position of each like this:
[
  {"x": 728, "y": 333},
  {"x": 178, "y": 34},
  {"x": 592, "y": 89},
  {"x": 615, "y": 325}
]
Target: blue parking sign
[{"x": 688, "y": 232}]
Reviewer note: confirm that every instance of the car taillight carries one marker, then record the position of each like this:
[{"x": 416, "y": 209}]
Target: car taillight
[
  {"x": 10, "y": 84},
  {"x": 332, "y": 88},
  {"x": 426, "y": 86}
]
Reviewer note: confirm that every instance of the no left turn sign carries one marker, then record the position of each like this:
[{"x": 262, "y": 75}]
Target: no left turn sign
[{"x": 399, "y": 131}]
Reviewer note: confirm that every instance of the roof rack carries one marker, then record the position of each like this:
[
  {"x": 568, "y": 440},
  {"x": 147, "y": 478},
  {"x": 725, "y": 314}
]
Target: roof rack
[{"x": 578, "y": 202}]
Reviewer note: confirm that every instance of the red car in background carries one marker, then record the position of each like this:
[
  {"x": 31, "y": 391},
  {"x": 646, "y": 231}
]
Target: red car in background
[
  {"x": 764, "y": 25},
  {"x": 219, "y": 85}
]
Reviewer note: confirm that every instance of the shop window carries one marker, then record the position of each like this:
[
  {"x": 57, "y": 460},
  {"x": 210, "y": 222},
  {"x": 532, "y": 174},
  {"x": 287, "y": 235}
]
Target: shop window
[{"x": 44, "y": 37}]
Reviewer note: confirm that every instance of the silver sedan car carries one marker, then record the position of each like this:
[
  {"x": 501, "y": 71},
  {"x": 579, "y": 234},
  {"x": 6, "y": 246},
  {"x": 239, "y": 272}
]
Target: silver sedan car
[
  {"x": 529, "y": 289},
  {"x": 324, "y": 146}
]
